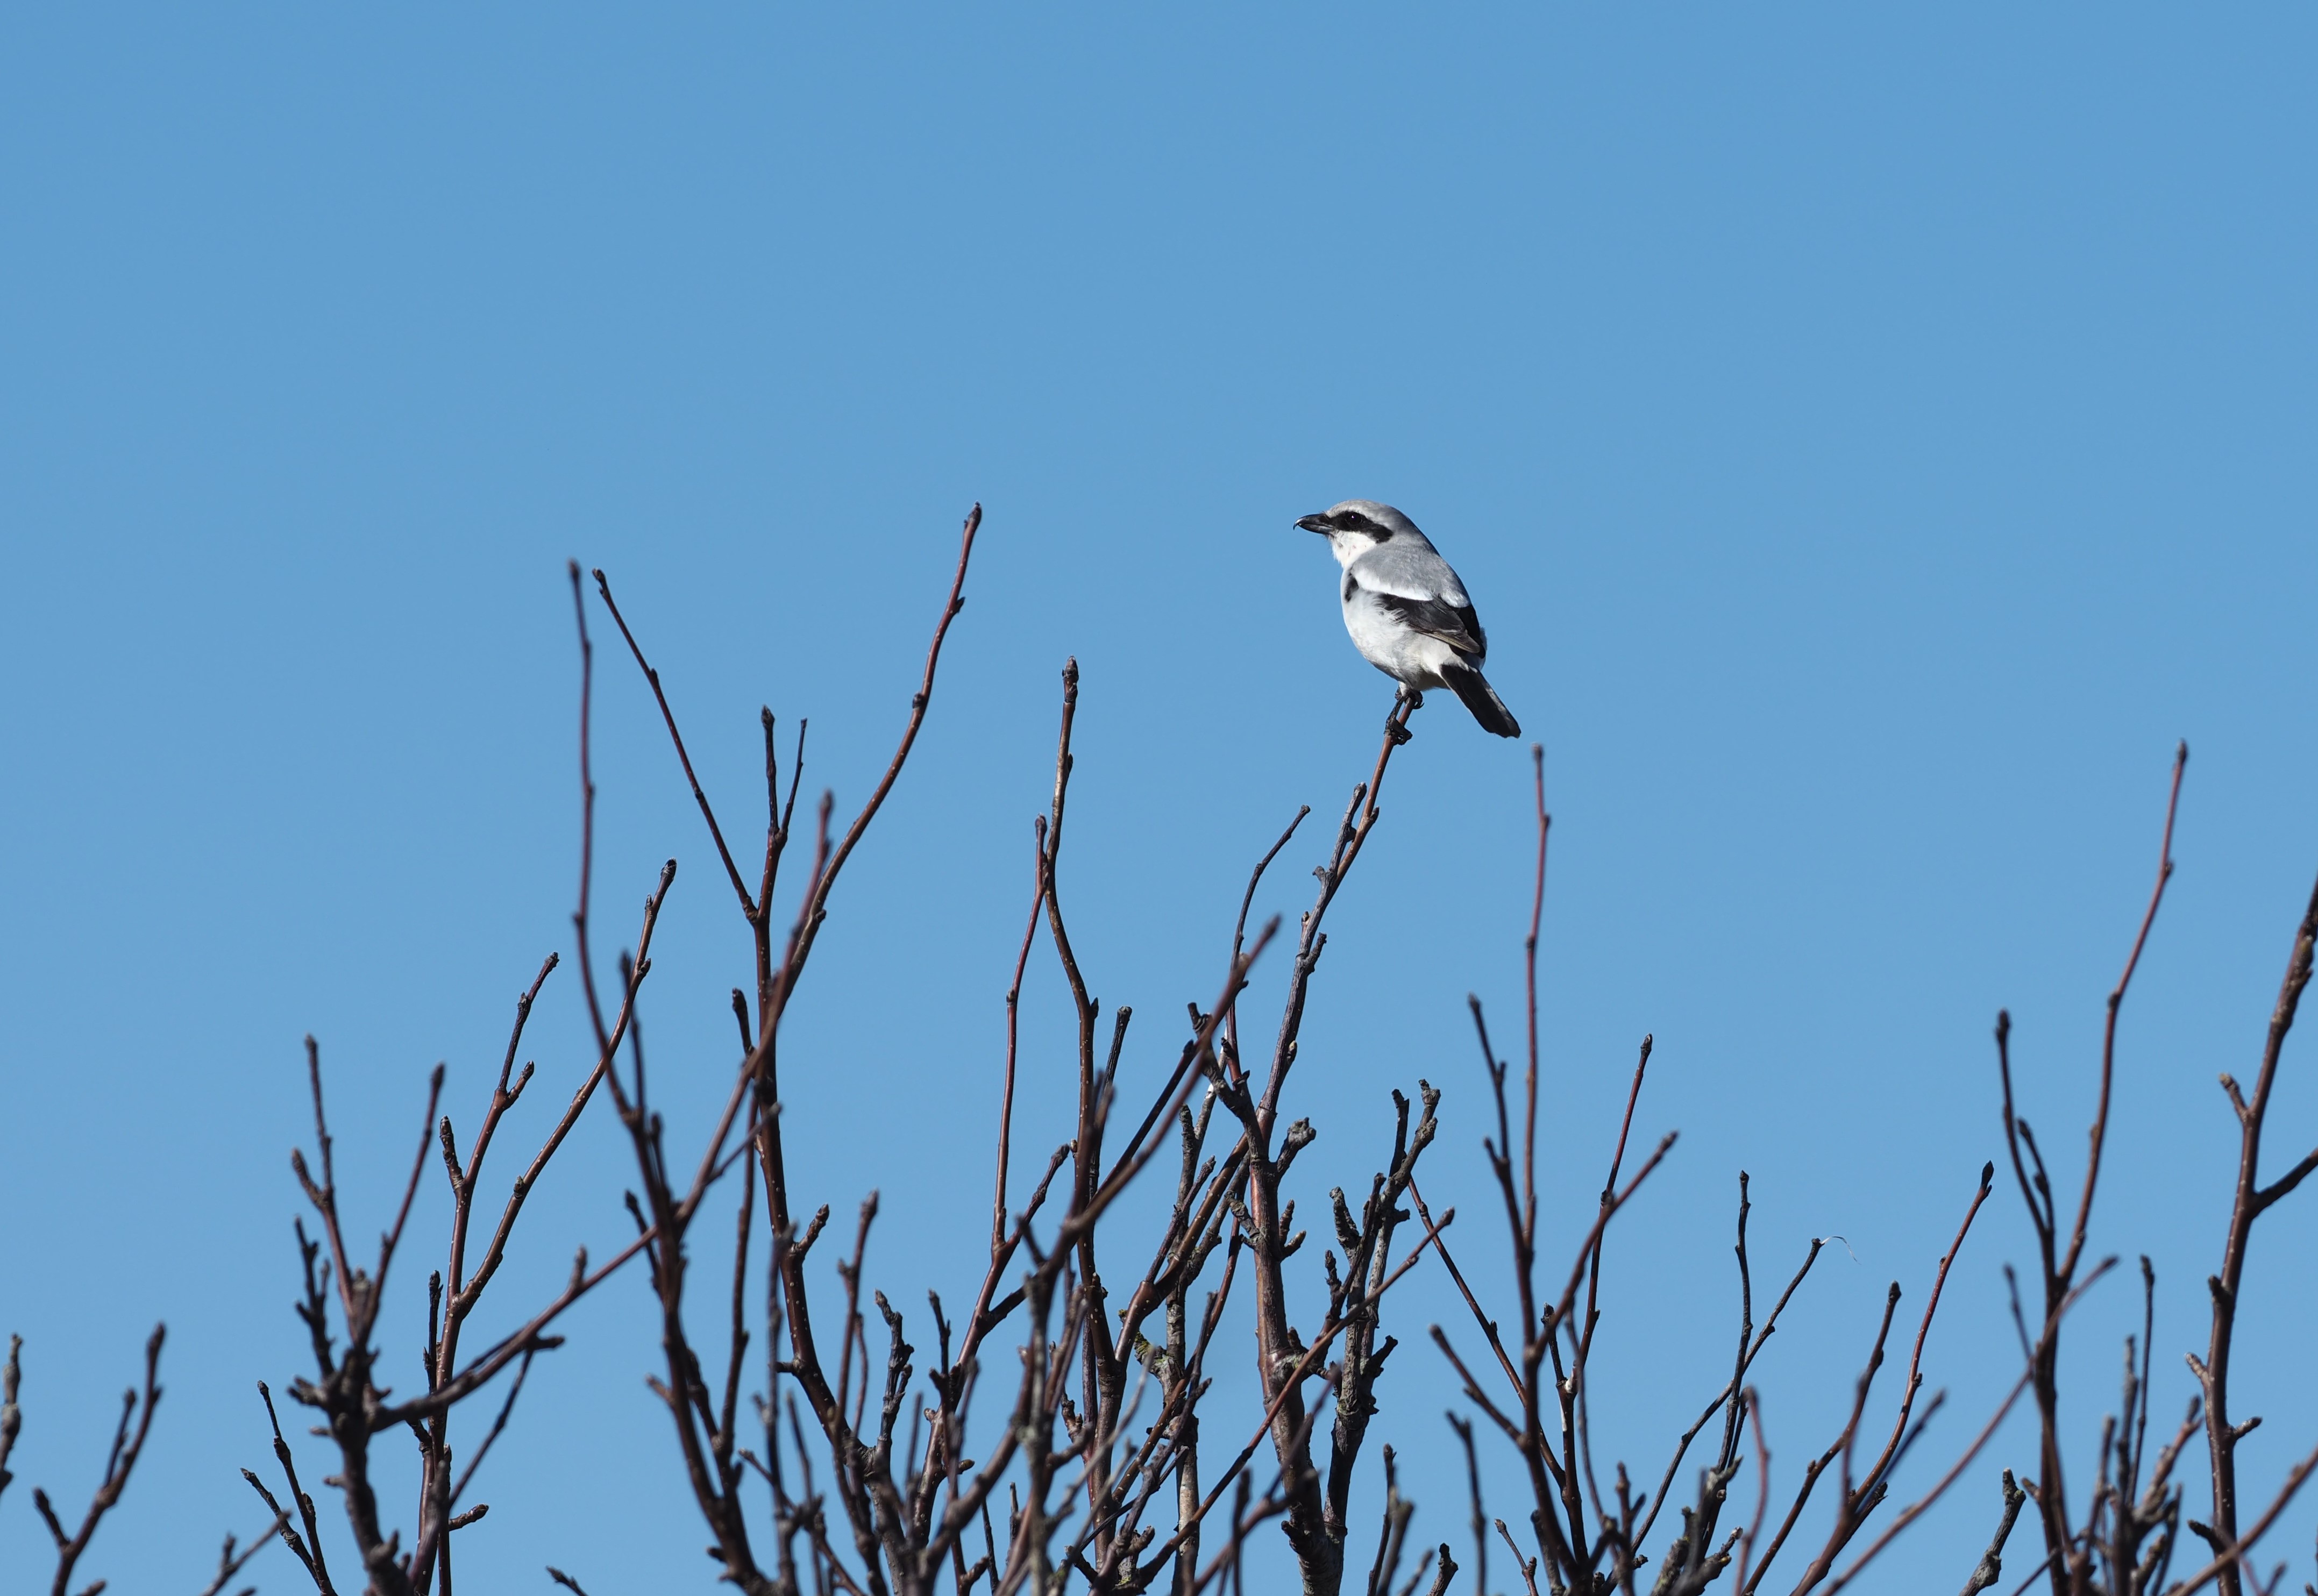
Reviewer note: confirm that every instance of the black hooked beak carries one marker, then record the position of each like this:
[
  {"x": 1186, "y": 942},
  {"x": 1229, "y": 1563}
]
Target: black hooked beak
[{"x": 1315, "y": 524}]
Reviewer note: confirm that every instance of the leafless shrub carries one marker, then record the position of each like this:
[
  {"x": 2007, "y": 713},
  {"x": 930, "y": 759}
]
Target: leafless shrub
[
  {"x": 1105, "y": 1445},
  {"x": 1087, "y": 1469},
  {"x": 1587, "y": 1543}
]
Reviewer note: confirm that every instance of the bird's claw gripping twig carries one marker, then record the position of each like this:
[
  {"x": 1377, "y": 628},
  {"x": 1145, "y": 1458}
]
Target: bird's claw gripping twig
[{"x": 1404, "y": 703}]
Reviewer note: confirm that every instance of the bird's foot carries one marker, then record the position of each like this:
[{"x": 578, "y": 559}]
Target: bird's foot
[{"x": 1405, "y": 703}]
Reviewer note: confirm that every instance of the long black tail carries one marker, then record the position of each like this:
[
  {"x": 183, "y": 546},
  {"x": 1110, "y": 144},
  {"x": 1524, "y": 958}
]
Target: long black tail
[{"x": 1474, "y": 690}]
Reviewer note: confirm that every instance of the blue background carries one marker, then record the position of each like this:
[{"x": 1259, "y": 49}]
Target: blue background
[{"x": 1872, "y": 440}]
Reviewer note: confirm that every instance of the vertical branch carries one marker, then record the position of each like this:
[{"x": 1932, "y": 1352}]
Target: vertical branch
[
  {"x": 128, "y": 1446},
  {"x": 817, "y": 900},
  {"x": 1464, "y": 1428},
  {"x": 1990, "y": 1566},
  {"x": 2249, "y": 1201},
  {"x": 1104, "y": 1375},
  {"x": 2066, "y": 1557},
  {"x": 1570, "y": 1555},
  {"x": 587, "y": 824},
  {"x": 1013, "y": 1002},
  {"x": 1318, "y": 1541},
  {"x": 1563, "y": 1561},
  {"x": 1856, "y": 1502},
  {"x": 804, "y": 1363},
  {"x": 2098, "y": 1135},
  {"x": 1529, "y": 963},
  {"x": 12, "y": 1417},
  {"x": 435, "y": 1496},
  {"x": 1575, "y": 1398},
  {"x": 1368, "y": 1258}
]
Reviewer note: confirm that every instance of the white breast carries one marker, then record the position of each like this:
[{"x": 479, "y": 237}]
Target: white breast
[{"x": 1406, "y": 656}]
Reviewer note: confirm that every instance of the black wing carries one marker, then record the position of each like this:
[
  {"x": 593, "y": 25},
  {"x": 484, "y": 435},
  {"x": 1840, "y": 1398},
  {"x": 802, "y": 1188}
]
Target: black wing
[{"x": 1458, "y": 625}]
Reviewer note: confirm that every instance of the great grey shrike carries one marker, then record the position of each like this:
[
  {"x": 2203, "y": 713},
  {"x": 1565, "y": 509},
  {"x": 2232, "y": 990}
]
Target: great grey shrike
[{"x": 1408, "y": 614}]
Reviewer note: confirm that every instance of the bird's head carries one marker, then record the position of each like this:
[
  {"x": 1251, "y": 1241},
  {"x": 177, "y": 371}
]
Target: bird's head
[{"x": 1358, "y": 524}]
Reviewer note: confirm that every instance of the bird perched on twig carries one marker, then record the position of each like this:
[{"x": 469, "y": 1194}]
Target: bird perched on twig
[{"x": 1408, "y": 614}]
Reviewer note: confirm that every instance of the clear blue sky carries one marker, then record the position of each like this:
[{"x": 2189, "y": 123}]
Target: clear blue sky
[{"x": 1873, "y": 441}]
